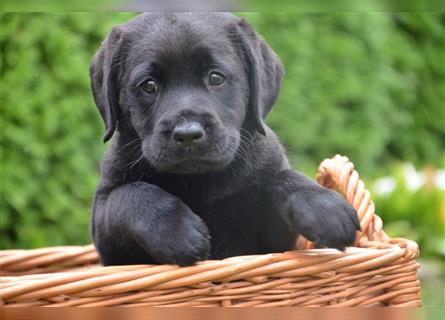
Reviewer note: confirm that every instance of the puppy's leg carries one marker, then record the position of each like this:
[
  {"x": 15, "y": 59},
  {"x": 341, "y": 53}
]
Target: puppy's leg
[
  {"x": 319, "y": 214},
  {"x": 140, "y": 222}
]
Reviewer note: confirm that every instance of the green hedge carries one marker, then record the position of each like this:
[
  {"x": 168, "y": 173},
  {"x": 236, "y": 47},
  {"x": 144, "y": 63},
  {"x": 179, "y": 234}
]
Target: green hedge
[
  {"x": 368, "y": 86},
  {"x": 51, "y": 131}
]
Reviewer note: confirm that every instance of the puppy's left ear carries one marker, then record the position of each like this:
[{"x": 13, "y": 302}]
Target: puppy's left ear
[
  {"x": 265, "y": 72},
  {"x": 104, "y": 73}
]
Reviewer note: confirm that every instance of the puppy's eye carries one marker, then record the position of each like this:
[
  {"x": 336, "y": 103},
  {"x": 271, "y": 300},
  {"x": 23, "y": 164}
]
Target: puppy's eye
[
  {"x": 216, "y": 78},
  {"x": 150, "y": 86}
]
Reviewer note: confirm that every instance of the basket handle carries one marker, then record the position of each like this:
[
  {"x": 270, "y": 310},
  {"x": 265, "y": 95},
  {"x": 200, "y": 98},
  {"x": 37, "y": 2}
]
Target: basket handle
[{"x": 338, "y": 173}]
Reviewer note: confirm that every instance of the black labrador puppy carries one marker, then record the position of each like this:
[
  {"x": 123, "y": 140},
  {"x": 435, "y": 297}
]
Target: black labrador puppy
[{"x": 193, "y": 172}]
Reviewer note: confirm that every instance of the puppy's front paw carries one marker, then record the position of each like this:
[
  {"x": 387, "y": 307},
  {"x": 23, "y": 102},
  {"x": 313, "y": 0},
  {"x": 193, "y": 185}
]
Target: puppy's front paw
[
  {"x": 183, "y": 238},
  {"x": 323, "y": 217},
  {"x": 188, "y": 244}
]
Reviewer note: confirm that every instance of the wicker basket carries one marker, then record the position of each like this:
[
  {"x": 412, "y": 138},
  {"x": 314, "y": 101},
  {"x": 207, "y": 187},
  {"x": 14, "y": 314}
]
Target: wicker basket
[{"x": 377, "y": 271}]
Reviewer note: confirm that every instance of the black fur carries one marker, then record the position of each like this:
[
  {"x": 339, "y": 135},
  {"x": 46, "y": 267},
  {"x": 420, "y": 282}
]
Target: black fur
[{"x": 230, "y": 193}]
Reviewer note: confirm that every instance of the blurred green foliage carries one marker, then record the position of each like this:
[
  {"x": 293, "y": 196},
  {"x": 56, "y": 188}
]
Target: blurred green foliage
[
  {"x": 51, "y": 131},
  {"x": 414, "y": 213},
  {"x": 370, "y": 86}
]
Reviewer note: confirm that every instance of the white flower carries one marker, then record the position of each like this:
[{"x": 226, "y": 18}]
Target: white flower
[{"x": 384, "y": 186}]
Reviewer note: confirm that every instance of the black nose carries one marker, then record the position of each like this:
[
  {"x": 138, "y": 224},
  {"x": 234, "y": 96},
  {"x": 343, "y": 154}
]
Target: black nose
[{"x": 187, "y": 133}]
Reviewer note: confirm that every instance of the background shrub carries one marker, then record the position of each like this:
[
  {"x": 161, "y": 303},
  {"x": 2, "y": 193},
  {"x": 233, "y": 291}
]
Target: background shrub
[
  {"x": 51, "y": 131},
  {"x": 370, "y": 86}
]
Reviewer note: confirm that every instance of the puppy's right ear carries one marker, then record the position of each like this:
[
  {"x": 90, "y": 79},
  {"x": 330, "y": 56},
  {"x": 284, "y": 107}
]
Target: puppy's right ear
[
  {"x": 265, "y": 72},
  {"x": 104, "y": 74}
]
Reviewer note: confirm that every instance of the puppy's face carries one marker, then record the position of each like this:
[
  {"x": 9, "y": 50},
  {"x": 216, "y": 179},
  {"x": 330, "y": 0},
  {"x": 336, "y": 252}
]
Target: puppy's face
[
  {"x": 185, "y": 84},
  {"x": 186, "y": 94}
]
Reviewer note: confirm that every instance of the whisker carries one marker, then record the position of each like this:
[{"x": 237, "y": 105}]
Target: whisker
[
  {"x": 139, "y": 158},
  {"x": 249, "y": 137},
  {"x": 138, "y": 139}
]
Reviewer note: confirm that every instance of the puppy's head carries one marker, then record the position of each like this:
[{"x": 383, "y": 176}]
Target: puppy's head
[{"x": 188, "y": 85}]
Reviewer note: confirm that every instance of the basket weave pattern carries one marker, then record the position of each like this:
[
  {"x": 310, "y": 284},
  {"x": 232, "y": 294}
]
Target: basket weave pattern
[{"x": 379, "y": 270}]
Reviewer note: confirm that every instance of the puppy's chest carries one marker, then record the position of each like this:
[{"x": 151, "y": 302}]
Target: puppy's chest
[
  {"x": 215, "y": 204},
  {"x": 233, "y": 219},
  {"x": 229, "y": 212}
]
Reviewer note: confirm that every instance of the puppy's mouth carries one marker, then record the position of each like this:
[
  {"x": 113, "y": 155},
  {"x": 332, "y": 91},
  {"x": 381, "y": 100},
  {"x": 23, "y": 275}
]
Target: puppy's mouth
[
  {"x": 194, "y": 166},
  {"x": 192, "y": 160}
]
